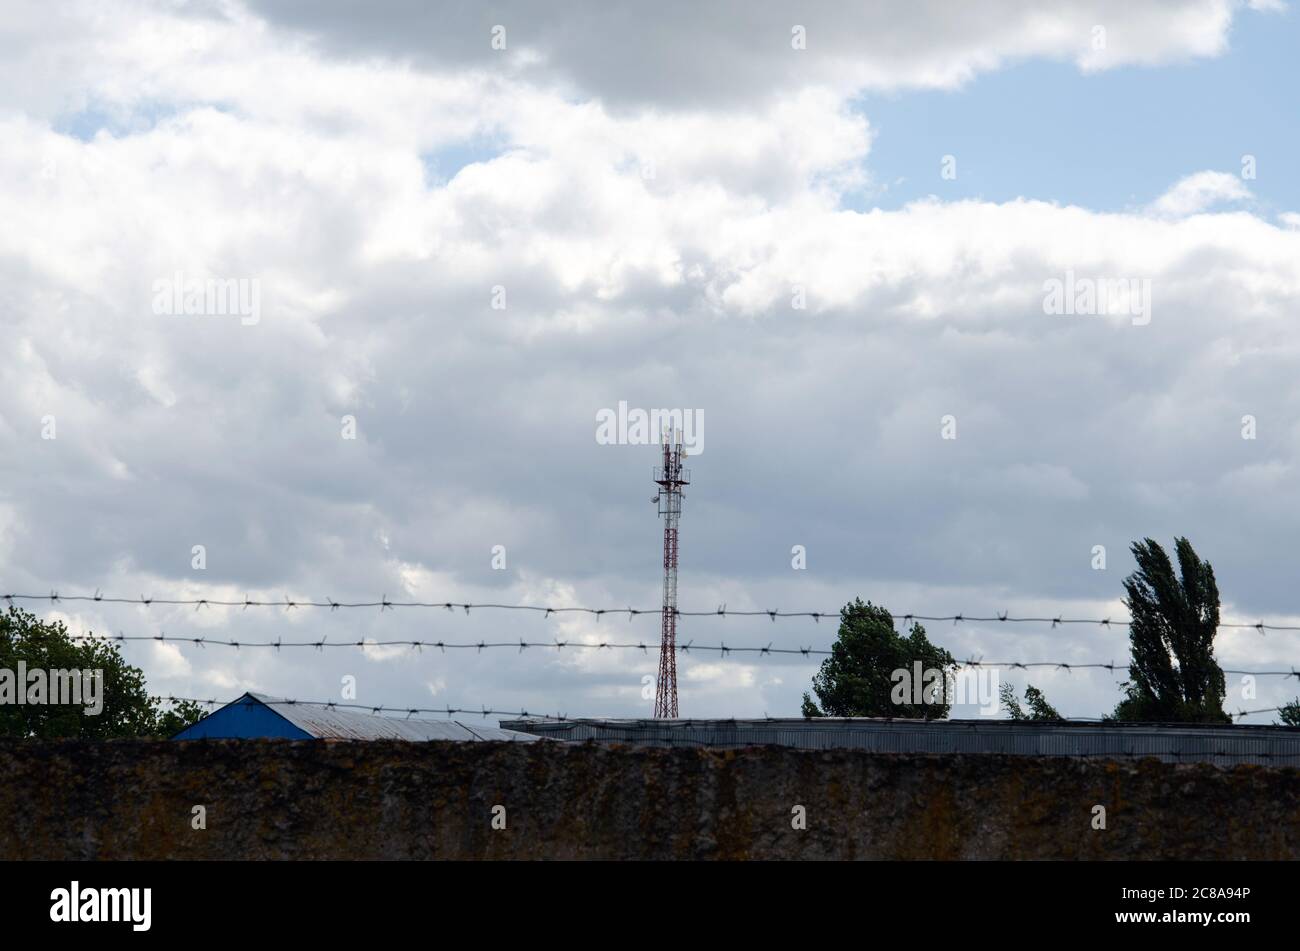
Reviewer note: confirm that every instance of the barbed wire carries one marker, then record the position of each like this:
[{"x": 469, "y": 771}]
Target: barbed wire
[
  {"x": 378, "y": 710},
  {"x": 636, "y": 733},
  {"x": 444, "y": 645},
  {"x": 385, "y": 604},
  {"x": 522, "y": 645}
]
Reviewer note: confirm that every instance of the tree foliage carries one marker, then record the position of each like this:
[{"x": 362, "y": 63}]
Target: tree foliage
[
  {"x": 1173, "y": 675},
  {"x": 856, "y": 680},
  {"x": 1039, "y": 708},
  {"x": 128, "y": 710},
  {"x": 1289, "y": 714}
]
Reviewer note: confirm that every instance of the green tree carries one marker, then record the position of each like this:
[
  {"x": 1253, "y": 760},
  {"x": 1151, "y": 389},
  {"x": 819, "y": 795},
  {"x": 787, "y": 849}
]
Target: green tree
[
  {"x": 1039, "y": 708},
  {"x": 1290, "y": 713},
  {"x": 127, "y": 711},
  {"x": 858, "y": 680},
  {"x": 182, "y": 714},
  {"x": 1173, "y": 676}
]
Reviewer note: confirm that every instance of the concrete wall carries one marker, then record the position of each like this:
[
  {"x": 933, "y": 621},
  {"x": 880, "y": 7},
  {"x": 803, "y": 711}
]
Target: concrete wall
[{"x": 384, "y": 799}]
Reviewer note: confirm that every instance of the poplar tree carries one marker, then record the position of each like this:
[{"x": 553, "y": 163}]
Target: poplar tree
[{"x": 1173, "y": 675}]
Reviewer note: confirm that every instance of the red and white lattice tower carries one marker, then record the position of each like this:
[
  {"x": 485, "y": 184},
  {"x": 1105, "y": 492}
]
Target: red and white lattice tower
[{"x": 670, "y": 478}]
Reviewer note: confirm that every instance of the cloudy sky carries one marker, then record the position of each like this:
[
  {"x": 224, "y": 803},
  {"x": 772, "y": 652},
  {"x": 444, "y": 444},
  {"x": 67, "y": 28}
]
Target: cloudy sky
[{"x": 462, "y": 231}]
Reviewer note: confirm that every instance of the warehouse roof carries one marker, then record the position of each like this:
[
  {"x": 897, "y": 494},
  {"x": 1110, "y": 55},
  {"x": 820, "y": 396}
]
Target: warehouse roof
[
  {"x": 256, "y": 715},
  {"x": 1225, "y": 745}
]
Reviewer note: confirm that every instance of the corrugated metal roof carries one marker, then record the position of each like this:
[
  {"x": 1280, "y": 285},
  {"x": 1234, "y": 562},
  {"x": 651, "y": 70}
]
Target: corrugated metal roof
[
  {"x": 331, "y": 723},
  {"x": 1180, "y": 743}
]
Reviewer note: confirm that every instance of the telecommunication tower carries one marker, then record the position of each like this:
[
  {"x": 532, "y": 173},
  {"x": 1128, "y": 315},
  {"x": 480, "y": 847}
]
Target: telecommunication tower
[{"x": 670, "y": 477}]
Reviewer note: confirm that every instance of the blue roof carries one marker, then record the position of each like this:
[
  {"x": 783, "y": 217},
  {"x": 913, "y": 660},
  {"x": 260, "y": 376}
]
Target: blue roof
[{"x": 255, "y": 716}]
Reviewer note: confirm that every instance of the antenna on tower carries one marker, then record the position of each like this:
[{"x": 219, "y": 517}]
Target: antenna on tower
[{"x": 670, "y": 477}]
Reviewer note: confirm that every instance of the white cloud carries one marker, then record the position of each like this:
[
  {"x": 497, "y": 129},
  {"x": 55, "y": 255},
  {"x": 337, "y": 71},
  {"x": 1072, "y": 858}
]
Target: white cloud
[{"x": 1200, "y": 192}]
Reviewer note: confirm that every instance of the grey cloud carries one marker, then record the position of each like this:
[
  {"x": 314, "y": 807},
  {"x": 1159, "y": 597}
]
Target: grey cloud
[{"x": 692, "y": 55}]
